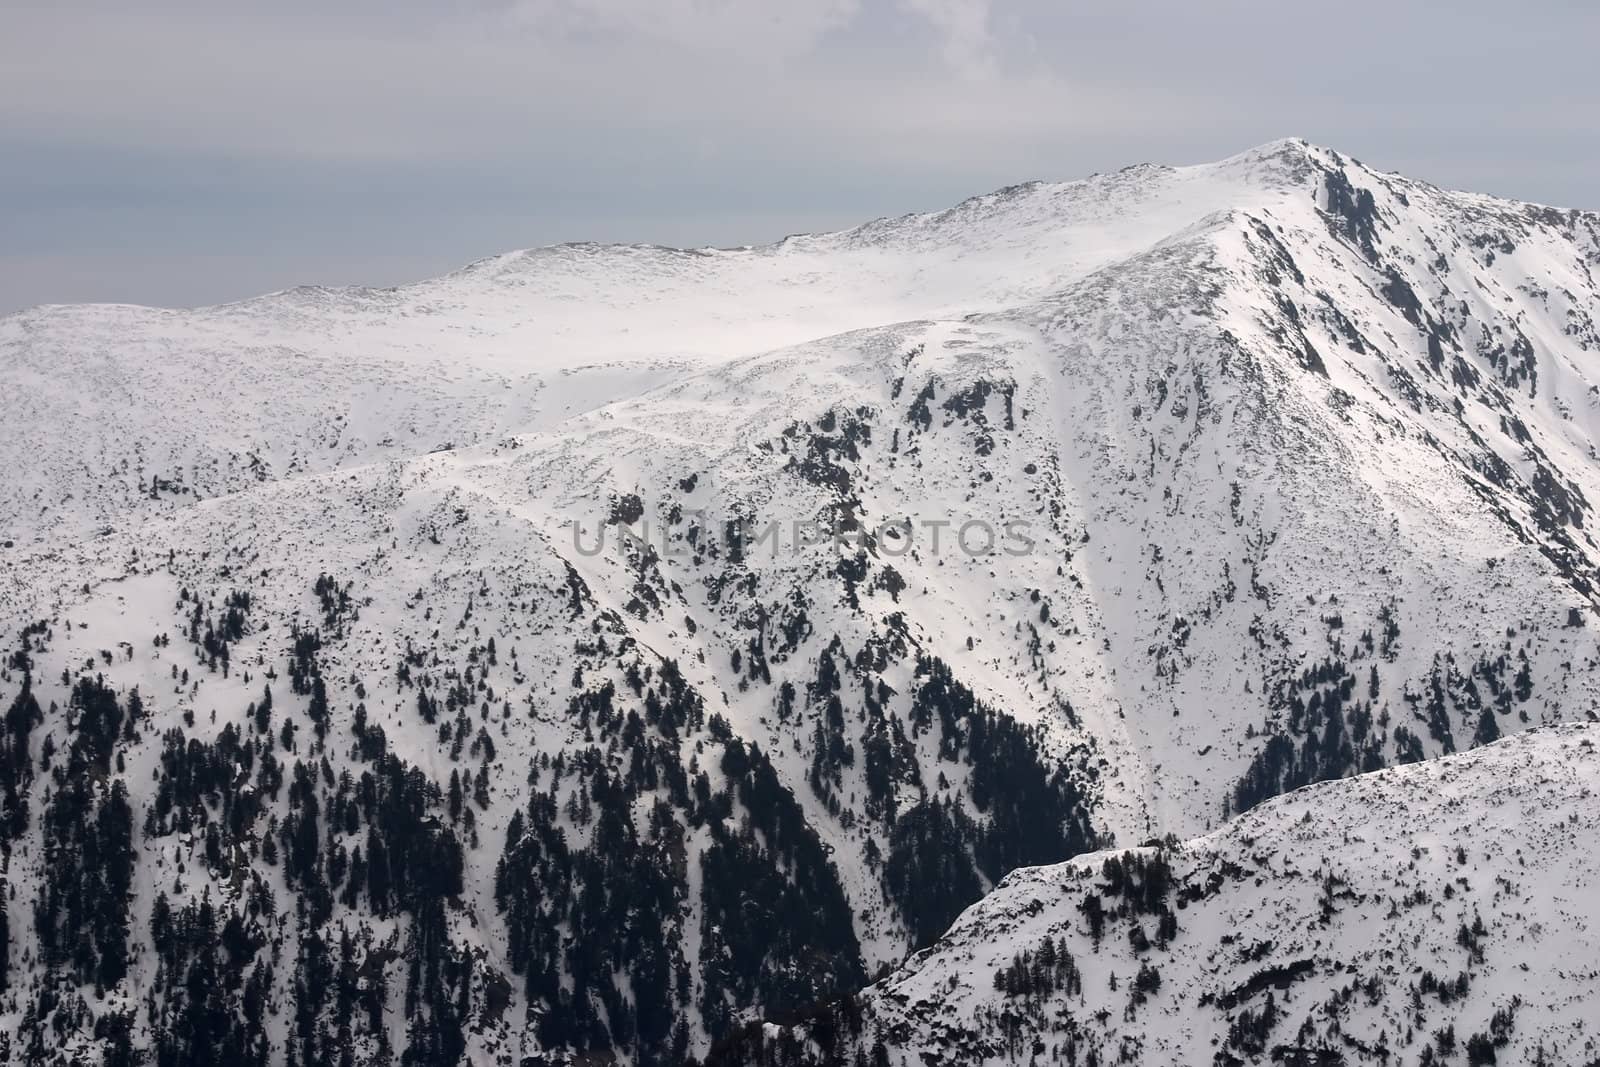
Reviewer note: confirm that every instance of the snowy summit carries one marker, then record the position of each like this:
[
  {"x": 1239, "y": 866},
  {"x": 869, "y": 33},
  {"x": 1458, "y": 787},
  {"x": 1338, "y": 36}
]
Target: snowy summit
[{"x": 900, "y": 645}]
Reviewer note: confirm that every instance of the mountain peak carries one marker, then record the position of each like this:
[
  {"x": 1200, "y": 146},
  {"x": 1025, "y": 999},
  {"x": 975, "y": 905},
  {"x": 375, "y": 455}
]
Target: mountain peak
[
  {"x": 1281, "y": 146},
  {"x": 608, "y": 647}
]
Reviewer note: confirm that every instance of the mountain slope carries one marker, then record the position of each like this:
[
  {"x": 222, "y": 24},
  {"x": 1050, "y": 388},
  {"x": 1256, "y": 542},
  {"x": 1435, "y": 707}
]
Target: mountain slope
[
  {"x": 959, "y": 543},
  {"x": 1419, "y": 915}
]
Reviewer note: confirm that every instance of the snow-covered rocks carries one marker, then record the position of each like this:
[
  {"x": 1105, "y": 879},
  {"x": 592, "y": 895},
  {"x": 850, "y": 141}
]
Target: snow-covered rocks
[{"x": 1434, "y": 913}]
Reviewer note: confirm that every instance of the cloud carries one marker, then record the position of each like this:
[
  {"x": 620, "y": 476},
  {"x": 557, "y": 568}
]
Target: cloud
[
  {"x": 475, "y": 80},
  {"x": 764, "y": 30},
  {"x": 963, "y": 26},
  {"x": 760, "y": 28}
]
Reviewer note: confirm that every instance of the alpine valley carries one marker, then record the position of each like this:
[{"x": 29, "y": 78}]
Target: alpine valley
[{"x": 1051, "y": 630}]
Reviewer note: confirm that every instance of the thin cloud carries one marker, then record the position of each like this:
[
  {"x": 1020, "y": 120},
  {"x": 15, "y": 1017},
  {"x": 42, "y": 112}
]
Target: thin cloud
[
  {"x": 963, "y": 26},
  {"x": 758, "y": 27}
]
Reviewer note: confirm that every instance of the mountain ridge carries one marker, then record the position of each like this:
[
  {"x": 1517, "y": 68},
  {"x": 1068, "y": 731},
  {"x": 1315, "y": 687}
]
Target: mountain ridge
[
  {"x": 1276, "y": 975},
  {"x": 1303, "y": 455}
]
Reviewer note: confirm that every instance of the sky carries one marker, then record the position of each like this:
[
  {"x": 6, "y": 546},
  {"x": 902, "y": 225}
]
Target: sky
[{"x": 186, "y": 152}]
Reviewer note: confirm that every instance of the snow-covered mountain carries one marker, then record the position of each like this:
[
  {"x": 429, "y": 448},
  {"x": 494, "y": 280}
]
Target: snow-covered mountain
[
  {"x": 347, "y": 720},
  {"x": 1442, "y": 912}
]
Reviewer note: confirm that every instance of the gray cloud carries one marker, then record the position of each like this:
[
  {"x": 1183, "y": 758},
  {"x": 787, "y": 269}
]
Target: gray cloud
[{"x": 179, "y": 152}]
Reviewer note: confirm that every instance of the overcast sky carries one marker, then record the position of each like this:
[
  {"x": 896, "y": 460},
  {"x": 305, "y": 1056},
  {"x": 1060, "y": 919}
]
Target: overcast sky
[{"x": 183, "y": 152}]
